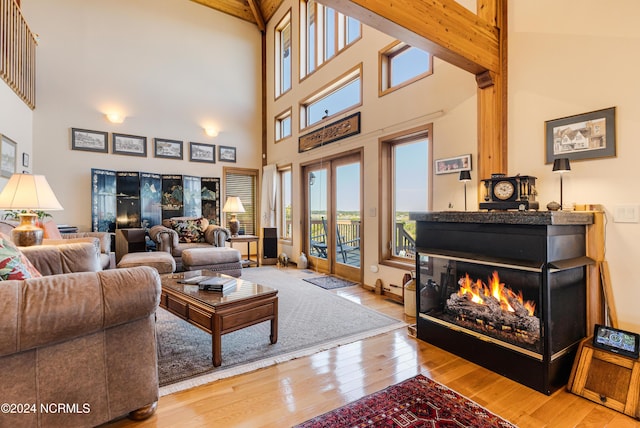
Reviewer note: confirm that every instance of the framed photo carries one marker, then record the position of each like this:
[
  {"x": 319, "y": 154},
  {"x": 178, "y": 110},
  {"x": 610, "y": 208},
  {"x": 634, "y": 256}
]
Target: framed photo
[
  {"x": 202, "y": 152},
  {"x": 455, "y": 164},
  {"x": 90, "y": 141},
  {"x": 226, "y": 154},
  {"x": 171, "y": 149},
  {"x": 130, "y": 145},
  {"x": 25, "y": 160},
  {"x": 8, "y": 155},
  {"x": 583, "y": 136}
]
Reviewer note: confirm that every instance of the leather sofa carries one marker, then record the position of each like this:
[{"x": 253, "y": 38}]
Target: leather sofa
[
  {"x": 168, "y": 240},
  {"x": 78, "y": 349}
]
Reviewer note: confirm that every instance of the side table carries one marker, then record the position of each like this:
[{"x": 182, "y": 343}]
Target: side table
[{"x": 248, "y": 239}]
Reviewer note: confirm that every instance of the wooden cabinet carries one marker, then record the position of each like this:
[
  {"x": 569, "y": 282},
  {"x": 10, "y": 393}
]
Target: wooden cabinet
[{"x": 606, "y": 378}]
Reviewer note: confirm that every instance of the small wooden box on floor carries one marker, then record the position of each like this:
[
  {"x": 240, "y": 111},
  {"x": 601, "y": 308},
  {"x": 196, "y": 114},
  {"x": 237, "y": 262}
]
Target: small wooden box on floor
[{"x": 606, "y": 378}]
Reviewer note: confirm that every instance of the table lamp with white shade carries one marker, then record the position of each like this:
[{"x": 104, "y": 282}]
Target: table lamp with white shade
[
  {"x": 233, "y": 205},
  {"x": 28, "y": 193}
]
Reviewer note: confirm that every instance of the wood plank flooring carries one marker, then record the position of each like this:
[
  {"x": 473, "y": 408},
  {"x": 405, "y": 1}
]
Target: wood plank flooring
[{"x": 292, "y": 392}]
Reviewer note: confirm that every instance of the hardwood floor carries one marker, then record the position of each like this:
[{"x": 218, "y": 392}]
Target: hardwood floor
[{"x": 292, "y": 392}]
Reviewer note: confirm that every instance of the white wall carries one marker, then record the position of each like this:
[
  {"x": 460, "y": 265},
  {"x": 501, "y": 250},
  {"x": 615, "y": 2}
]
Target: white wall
[
  {"x": 170, "y": 66},
  {"x": 16, "y": 122}
]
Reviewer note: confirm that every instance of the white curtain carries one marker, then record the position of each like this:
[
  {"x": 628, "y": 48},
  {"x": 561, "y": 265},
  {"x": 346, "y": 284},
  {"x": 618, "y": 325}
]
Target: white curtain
[{"x": 269, "y": 190}]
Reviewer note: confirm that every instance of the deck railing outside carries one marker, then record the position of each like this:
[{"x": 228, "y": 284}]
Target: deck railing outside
[{"x": 17, "y": 52}]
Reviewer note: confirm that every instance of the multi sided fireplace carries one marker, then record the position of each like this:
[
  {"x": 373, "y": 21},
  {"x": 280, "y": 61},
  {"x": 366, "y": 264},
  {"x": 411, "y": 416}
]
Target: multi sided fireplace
[{"x": 506, "y": 290}]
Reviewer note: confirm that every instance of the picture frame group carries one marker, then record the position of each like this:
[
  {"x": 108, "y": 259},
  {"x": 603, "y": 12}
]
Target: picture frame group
[{"x": 136, "y": 145}]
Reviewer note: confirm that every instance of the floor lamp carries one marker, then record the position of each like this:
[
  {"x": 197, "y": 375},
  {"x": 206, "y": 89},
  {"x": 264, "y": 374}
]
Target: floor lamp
[{"x": 464, "y": 177}]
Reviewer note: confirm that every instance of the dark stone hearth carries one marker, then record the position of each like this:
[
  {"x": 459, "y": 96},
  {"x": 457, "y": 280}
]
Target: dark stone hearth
[{"x": 506, "y": 217}]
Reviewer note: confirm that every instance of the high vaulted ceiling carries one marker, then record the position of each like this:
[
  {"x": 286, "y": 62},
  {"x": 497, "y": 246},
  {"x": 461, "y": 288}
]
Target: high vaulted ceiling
[{"x": 258, "y": 12}]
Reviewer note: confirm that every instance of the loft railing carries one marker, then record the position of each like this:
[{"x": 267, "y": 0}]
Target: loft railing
[{"x": 17, "y": 52}]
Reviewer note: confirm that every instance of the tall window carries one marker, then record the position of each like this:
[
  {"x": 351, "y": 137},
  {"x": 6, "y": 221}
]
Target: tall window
[
  {"x": 324, "y": 33},
  {"x": 243, "y": 183},
  {"x": 283, "y": 125},
  {"x": 283, "y": 55},
  {"x": 401, "y": 64},
  {"x": 406, "y": 170},
  {"x": 286, "y": 219},
  {"x": 341, "y": 95}
]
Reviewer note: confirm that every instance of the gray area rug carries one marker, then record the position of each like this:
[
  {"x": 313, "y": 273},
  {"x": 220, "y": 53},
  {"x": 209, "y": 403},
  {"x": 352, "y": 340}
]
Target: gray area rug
[
  {"x": 310, "y": 320},
  {"x": 330, "y": 282}
]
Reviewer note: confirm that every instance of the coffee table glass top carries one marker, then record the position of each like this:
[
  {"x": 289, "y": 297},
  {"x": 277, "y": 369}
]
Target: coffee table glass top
[{"x": 242, "y": 289}]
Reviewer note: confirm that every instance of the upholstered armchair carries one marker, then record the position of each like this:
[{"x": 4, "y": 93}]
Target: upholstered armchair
[{"x": 180, "y": 233}]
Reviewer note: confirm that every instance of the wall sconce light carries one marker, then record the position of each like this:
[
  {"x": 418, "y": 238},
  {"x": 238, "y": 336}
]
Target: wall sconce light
[
  {"x": 561, "y": 165},
  {"x": 115, "y": 117},
  {"x": 464, "y": 177},
  {"x": 211, "y": 132}
]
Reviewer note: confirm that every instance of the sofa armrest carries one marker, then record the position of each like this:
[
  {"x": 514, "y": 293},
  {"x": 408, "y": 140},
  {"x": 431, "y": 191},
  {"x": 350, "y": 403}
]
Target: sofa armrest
[
  {"x": 48, "y": 310},
  {"x": 165, "y": 238},
  {"x": 64, "y": 258},
  {"x": 216, "y": 235},
  {"x": 103, "y": 237}
]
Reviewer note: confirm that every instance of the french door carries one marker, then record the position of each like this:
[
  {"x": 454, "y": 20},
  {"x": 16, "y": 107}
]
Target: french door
[{"x": 333, "y": 215}]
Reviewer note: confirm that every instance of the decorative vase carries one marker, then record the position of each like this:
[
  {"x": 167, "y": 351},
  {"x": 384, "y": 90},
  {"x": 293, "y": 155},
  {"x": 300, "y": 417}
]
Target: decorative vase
[{"x": 302, "y": 261}]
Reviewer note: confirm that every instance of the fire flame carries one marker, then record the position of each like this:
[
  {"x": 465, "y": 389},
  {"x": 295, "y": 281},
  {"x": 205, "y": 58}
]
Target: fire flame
[{"x": 477, "y": 291}]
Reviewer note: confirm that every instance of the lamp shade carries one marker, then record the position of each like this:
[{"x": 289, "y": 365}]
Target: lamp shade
[
  {"x": 28, "y": 192},
  {"x": 465, "y": 176},
  {"x": 233, "y": 205},
  {"x": 561, "y": 165}
]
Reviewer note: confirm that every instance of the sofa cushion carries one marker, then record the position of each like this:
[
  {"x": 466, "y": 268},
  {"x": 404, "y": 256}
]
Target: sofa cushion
[
  {"x": 14, "y": 264},
  {"x": 190, "y": 230},
  {"x": 51, "y": 230}
]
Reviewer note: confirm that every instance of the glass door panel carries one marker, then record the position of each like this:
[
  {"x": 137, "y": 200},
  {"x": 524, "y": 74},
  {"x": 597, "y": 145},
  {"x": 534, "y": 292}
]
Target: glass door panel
[
  {"x": 347, "y": 214},
  {"x": 317, "y": 209}
]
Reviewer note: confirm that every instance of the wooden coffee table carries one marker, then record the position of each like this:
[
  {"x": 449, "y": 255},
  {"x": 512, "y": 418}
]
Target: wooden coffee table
[{"x": 217, "y": 313}]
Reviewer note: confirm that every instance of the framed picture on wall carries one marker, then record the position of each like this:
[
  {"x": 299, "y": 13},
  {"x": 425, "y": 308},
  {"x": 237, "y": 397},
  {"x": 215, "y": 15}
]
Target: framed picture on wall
[
  {"x": 91, "y": 141},
  {"x": 584, "y": 136},
  {"x": 451, "y": 165},
  {"x": 130, "y": 145},
  {"x": 226, "y": 154},
  {"x": 171, "y": 149},
  {"x": 8, "y": 155},
  {"x": 202, "y": 152}
]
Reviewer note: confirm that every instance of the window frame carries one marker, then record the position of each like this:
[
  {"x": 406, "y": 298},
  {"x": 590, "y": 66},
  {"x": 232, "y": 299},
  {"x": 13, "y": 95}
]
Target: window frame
[
  {"x": 282, "y": 220},
  {"x": 278, "y": 125},
  {"x": 318, "y": 33},
  {"x": 251, "y": 203},
  {"x": 329, "y": 89},
  {"x": 386, "y": 201},
  {"x": 385, "y": 69},
  {"x": 278, "y": 55}
]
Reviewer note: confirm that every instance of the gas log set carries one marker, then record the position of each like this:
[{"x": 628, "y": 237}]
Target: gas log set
[{"x": 506, "y": 290}]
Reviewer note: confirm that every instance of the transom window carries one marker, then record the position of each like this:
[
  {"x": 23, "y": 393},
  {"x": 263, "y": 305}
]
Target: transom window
[
  {"x": 283, "y": 125},
  {"x": 340, "y": 96},
  {"x": 324, "y": 33},
  {"x": 401, "y": 64}
]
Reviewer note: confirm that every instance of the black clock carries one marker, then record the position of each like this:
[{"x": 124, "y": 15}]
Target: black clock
[{"x": 509, "y": 193}]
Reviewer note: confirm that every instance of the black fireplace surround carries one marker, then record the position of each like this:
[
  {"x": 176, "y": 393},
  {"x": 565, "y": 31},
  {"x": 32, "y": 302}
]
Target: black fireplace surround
[{"x": 540, "y": 256}]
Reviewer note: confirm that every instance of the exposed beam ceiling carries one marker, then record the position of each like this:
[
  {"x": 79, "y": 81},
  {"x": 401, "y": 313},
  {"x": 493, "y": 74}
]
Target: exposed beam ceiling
[{"x": 255, "y": 11}]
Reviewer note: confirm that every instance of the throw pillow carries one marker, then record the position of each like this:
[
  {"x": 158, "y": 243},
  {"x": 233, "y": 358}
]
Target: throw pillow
[
  {"x": 51, "y": 230},
  {"x": 14, "y": 264},
  {"x": 190, "y": 230}
]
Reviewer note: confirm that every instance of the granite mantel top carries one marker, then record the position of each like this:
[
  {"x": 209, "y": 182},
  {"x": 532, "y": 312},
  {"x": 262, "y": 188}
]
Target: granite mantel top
[{"x": 506, "y": 217}]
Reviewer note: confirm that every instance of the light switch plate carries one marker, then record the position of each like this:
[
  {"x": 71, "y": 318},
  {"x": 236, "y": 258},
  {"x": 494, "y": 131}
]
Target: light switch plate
[{"x": 628, "y": 213}]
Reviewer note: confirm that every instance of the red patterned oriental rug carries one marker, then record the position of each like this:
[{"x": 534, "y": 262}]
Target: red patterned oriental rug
[{"x": 416, "y": 402}]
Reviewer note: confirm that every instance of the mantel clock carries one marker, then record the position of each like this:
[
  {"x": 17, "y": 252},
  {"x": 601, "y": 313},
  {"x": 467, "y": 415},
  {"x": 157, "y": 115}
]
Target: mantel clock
[{"x": 509, "y": 193}]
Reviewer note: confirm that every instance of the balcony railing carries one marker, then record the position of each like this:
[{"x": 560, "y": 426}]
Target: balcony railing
[{"x": 17, "y": 52}]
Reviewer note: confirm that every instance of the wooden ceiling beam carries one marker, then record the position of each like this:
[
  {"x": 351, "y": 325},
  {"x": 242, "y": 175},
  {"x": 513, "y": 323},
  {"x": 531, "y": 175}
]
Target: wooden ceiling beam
[
  {"x": 441, "y": 27},
  {"x": 257, "y": 14},
  {"x": 236, "y": 8}
]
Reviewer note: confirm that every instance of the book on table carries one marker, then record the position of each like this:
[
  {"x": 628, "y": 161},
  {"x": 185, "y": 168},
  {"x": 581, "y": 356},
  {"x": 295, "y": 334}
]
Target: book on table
[{"x": 211, "y": 283}]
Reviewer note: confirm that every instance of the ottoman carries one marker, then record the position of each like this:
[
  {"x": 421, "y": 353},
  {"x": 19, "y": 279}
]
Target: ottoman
[
  {"x": 160, "y": 260},
  {"x": 218, "y": 259}
]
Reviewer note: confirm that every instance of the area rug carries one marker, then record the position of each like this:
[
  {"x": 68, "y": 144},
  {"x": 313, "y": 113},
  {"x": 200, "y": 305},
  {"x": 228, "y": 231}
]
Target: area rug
[
  {"x": 416, "y": 402},
  {"x": 310, "y": 320},
  {"x": 329, "y": 282}
]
